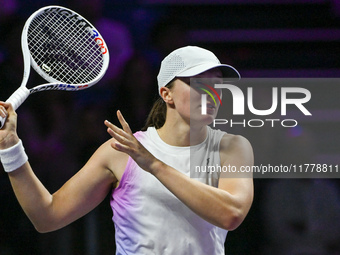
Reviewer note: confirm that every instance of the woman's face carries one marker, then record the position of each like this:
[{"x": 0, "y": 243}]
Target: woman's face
[{"x": 188, "y": 98}]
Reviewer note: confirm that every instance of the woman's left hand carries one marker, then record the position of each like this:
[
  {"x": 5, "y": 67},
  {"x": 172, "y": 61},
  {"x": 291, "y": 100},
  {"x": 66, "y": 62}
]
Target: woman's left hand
[{"x": 127, "y": 143}]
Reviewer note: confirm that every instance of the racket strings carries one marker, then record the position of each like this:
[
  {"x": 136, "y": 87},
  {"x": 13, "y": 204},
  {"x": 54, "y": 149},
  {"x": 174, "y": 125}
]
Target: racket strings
[
  {"x": 74, "y": 31},
  {"x": 64, "y": 49},
  {"x": 95, "y": 59},
  {"x": 81, "y": 46}
]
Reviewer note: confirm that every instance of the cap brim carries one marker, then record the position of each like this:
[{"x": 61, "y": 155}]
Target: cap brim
[{"x": 227, "y": 70}]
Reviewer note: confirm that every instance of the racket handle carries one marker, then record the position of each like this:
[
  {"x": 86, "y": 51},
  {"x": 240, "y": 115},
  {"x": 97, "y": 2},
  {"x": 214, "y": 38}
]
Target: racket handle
[{"x": 16, "y": 99}]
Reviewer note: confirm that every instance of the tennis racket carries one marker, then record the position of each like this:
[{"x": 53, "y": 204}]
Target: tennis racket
[{"x": 63, "y": 48}]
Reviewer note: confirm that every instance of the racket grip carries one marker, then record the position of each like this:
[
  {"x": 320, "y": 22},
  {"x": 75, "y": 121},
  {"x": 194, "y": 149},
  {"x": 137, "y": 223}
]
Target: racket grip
[{"x": 16, "y": 99}]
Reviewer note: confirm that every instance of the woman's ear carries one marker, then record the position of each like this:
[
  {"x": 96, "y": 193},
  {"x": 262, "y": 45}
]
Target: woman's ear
[{"x": 166, "y": 95}]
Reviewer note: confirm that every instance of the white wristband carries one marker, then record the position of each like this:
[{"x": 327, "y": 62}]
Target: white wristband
[{"x": 13, "y": 157}]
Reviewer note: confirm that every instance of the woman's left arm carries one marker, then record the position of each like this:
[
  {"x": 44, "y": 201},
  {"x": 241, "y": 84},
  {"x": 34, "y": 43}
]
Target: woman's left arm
[{"x": 225, "y": 206}]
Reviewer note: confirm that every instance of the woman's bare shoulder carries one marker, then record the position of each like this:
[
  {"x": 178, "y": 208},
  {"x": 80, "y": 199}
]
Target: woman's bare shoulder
[
  {"x": 230, "y": 141},
  {"x": 111, "y": 159},
  {"x": 235, "y": 145}
]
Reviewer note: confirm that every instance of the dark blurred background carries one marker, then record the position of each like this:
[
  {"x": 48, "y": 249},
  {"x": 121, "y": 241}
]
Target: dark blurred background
[{"x": 261, "y": 38}]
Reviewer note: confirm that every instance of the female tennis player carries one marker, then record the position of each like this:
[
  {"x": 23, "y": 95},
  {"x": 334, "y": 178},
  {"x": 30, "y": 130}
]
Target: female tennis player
[{"x": 157, "y": 207}]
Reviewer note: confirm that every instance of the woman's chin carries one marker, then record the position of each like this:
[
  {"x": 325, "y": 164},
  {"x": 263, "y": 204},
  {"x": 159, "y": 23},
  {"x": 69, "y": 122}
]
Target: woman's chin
[{"x": 202, "y": 120}]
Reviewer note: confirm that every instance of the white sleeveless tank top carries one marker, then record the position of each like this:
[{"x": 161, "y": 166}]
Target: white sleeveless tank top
[{"x": 149, "y": 219}]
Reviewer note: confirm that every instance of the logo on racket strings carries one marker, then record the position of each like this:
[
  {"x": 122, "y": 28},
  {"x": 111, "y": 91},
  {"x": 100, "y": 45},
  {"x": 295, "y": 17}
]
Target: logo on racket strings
[
  {"x": 79, "y": 21},
  {"x": 99, "y": 41}
]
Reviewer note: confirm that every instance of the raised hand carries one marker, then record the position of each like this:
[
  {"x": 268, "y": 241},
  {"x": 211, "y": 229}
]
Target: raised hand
[
  {"x": 8, "y": 135},
  {"x": 127, "y": 143}
]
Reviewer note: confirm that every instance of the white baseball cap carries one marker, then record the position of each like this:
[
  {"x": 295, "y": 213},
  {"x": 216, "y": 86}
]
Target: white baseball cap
[{"x": 190, "y": 61}]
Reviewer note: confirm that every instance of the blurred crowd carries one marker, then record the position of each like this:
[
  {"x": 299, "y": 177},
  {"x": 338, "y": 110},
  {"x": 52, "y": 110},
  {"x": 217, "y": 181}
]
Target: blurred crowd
[{"x": 61, "y": 130}]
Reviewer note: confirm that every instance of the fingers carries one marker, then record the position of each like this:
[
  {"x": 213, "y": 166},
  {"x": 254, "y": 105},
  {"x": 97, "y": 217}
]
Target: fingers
[
  {"x": 122, "y": 135},
  {"x": 127, "y": 143},
  {"x": 6, "y": 105},
  {"x": 5, "y": 108},
  {"x": 3, "y": 112},
  {"x": 115, "y": 131},
  {"x": 9, "y": 122},
  {"x": 123, "y": 122},
  {"x": 124, "y": 141}
]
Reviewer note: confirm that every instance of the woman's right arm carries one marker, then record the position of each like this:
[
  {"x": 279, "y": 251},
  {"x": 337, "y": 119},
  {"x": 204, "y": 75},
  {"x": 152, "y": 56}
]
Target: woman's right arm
[{"x": 78, "y": 196}]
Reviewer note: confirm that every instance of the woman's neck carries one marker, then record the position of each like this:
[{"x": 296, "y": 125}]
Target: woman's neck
[{"x": 180, "y": 133}]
